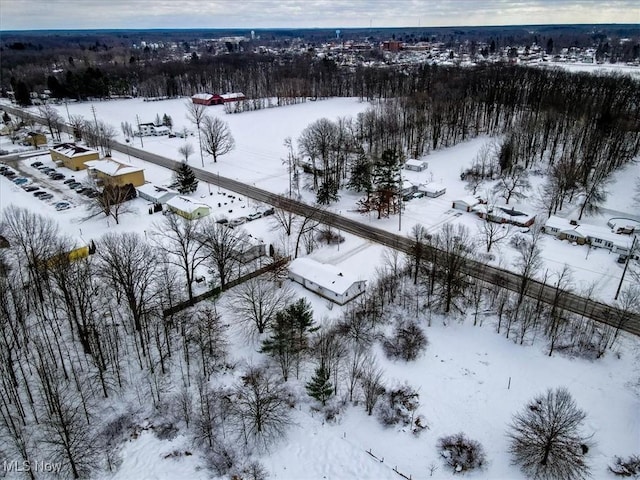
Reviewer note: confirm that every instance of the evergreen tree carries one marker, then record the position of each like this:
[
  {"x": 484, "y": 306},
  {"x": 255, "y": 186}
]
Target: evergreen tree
[
  {"x": 167, "y": 121},
  {"x": 23, "y": 97},
  {"x": 289, "y": 336},
  {"x": 386, "y": 186},
  {"x": 360, "y": 180},
  {"x": 186, "y": 179},
  {"x": 320, "y": 387},
  {"x": 327, "y": 192}
]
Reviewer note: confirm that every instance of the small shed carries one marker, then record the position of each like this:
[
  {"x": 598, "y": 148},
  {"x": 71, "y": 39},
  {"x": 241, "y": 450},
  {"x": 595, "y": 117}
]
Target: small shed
[
  {"x": 326, "y": 280},
  {"x": 187, "y": 208},
  {"x": 466, "y": 203},
  {"x": 415, "y": 165},
  {"x": 155, "y": 194},
  {"x": 432, "y": 190}
]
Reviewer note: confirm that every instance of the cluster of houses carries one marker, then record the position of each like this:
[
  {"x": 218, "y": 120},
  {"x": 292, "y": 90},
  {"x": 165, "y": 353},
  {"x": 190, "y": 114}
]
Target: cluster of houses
[
  {"x": 593, "y": 235},
  {"x": 216, "y": 99}
]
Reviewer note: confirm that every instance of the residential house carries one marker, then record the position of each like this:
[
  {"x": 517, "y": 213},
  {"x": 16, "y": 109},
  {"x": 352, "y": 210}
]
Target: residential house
[
  {"x": 72, "y": 156},
  {"x": 432, "y": 190},
  {"x": 415, "y": 165},
  {"x": 115, "y": 173},
  {"x": 187, "y": 208},
  {"x": 326, "y": 280},
  {"x": 594, "y": 235},
  {"x": 504, "y": 214},
  {"x": 203, "y": 99},
  {"x": 466, "y": 203},
  {"x": 155, "y": 194},
  {"x": 35, "y": 139},
  {"x": 407, "y": 189},
  {"x": 151, "y": 129},
  {"x": 249, "y": 249}
]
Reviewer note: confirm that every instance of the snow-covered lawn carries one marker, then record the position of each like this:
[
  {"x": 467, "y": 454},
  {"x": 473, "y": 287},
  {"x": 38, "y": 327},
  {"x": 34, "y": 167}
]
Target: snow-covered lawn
[{"x": 464, "y": 375}]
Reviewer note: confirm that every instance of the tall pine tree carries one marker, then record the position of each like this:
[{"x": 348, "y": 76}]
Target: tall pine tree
[
  {"x": 289, "y": 336},
  {"x": 320, "y": 387},
  {"x": 186, "y": 179},
  {"x": 385, "y": 186}
]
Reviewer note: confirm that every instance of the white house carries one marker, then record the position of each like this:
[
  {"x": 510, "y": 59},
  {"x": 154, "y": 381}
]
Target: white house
[
  {"x": 326, "y": 280},
  {"x": 432, "y": 190},
  {"x": 594, "y": 235},
  {"x": 466, "y": 203},
  {"x": 149, "y": 129},
  {"x": 187, "y": 208},
  {"x": 155, "y": 194},
  {"x": 407, "y": 188},
  {"x": 415, "y": 165}
]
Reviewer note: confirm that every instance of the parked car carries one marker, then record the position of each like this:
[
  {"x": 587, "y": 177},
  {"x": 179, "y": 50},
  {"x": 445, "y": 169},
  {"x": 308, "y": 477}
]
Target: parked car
[
  {"x": 77, "y": 187},
  {"x": 20, "y": 180},
  {"x": 7, "y": 172},
  {"x": 36, "y": 164},
  {"x": 237, "y": 221},
  {"x": 48, "y": 170},
  {"x": 267, "y": 212},
  {"x": 74, "y": 185},
  {"x": 254, "y": 216},
  {"x": 3, "y": 168},
  {"x": 57, "y": 176},
  {"x": 62, "y": 206},
  {"x": 46, "y": 196},
  {"x": 53, "y": 171},
  {"x": 30, "y": 188},
  {"x": 222, "y": 221},
  {"x": 91, "y": 193},
  {"x": 39, "y": 193},
  {"x": 42, "y": 167},
  {"x": 69, "y": 180}
]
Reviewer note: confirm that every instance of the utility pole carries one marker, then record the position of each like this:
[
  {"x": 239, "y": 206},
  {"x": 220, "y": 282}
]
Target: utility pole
[
  {"x": 139, "y": 131},
  {"x": 626, "y": 265}
]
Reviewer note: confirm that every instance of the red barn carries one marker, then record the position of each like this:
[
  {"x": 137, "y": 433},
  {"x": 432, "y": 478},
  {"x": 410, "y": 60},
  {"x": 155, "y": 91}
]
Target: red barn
[{"x": 215, "y": 99}]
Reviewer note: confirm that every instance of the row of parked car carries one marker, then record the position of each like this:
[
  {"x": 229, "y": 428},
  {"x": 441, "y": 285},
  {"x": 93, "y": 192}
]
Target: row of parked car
[
  {"x": 72, "y": 183},
  {"x": 235, "y": 222}
]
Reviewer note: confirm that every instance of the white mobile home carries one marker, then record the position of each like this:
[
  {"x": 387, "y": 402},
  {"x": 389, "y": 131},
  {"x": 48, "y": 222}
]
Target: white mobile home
[
  {"x": 155, "y": 194},
  {"x": 415, "y": 165},
  {"x": 432, "y": 190},
  {"x": 326, "y": 280},
  {"x": 466, "y": 204}
]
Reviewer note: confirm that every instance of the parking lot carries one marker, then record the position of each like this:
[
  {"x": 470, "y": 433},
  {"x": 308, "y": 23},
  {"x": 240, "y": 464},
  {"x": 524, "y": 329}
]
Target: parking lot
[{"x": 55, "y": 186}]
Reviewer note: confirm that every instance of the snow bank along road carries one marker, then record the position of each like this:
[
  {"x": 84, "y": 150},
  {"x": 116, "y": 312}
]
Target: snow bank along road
[{"x": 568, "y": 301}]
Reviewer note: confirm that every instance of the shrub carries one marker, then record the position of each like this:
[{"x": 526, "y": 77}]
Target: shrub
[
  {"x": 399, "y": 406},
  {"x": 407, "y": 342},
  {"x": 629, "y": 467},
  {"x": 461, "y": 453}
]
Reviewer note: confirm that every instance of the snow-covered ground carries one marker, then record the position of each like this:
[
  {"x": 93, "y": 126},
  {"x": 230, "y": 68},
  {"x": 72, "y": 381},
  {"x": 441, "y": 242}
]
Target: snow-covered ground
[{"x": 463, "y": 377}]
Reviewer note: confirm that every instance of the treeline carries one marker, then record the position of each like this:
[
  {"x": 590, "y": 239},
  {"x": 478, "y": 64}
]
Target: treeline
[{"x": 89, "y": 360}]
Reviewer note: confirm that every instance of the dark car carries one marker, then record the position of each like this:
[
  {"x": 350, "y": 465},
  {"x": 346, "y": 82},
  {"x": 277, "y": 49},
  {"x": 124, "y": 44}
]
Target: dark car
[
  {"x": 39, "y": 193},
  {"x": 48, "y": 170},
  {"x": 69, "y": 180},
  {"x": 267, "y": 212},
  {"x": 74, "y": 185},
  {"x": 7, "y": 172},
  {"x": 36, "y": 164},
  {"x": 31, "y": 188},
  {"x": 46, "y": 196},
  {"x": 57, "y": 176}
]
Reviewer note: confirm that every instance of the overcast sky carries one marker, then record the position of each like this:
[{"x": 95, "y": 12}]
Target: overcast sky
[{"x": 94, "y": 14}]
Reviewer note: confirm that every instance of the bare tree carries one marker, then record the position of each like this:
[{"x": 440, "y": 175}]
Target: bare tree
[
  {"x": 261, "y": 407},
  {"x": 196, "y": 113},
  {"x": 223, "y": 246},
  {"x": 52, "y": 119},
  {"x": 130, "y": 266},
  {"x": 372, "y": 385},
  {"x": 112, "y": 201},
  {"x": 217, "y": 139},
  {"x": 493, "y": 233},
  {"x": 256, "y": 302},
  {"x": 76, "y": 122},
  {"x": 513, "y": 183},
  {"x": 186, "y": 151},
  {"x": 180, "y": 239},
  {"x": 546, "y": 441}
]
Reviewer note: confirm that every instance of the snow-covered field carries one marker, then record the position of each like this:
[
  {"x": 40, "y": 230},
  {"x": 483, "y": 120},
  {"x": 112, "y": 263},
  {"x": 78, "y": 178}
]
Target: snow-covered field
[
  {"x": 259, "y": 156},
  {"x": 469, "y": 379}
]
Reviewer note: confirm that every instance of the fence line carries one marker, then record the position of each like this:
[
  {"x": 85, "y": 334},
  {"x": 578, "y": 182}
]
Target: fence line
[{"x": 217, "y": 290}]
